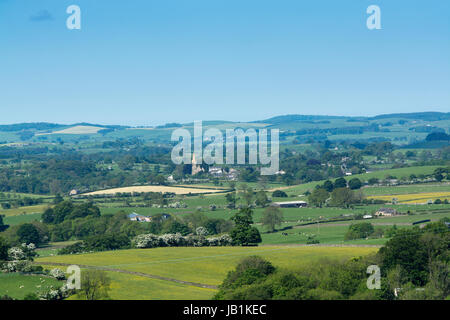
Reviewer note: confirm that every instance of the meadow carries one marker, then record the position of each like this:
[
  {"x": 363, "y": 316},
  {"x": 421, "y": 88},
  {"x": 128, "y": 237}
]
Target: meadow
[
  {"x": 382, "y": 174},
  {"x": 325, "y": 233},
  {"x": 206, "y": 265},
  {"x": 24, "y": 210},
  {"x": 18, "y": 285},
  {"x": 22, "y": 218}
]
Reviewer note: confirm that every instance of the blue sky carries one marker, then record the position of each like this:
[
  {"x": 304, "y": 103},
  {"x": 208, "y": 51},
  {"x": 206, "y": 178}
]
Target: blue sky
[{"x": 151, "y": 62}]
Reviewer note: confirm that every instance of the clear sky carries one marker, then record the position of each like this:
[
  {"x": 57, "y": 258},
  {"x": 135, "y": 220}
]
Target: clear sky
[{"x": 155, "y": 61}]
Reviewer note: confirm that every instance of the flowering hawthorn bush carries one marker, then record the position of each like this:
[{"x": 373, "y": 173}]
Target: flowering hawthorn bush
[
  {"x": 201, "y": 231},
  {"x": 19, "y": 259},
  {"x": 57, "y": 294},
  {"x": 58, "y": 274},
  {"x": 177, "y": 240}
]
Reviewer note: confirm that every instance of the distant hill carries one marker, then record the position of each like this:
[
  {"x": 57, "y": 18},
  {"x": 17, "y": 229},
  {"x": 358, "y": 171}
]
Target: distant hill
[
  {"x": 297, "y": 117},
  {"x": 29, "y": 126},
  {"x": 46, "y": 126},
  {"x": 425, "y": 116}
]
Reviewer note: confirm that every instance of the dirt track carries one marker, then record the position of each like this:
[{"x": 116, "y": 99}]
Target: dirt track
[{"x": 195, "y": 284}]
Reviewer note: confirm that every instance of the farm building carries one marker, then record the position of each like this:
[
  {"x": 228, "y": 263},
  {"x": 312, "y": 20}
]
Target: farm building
[
  {"x": 291, "y": 204},
  {"x": 215, "y": 171},
  {"x": 232, "y": 174},
  {"x": 141, "y": 218},
  {"x": 386, "y": 212},
  {"x": 73, "y": 192},
  {"x": 137, "y": 217}
]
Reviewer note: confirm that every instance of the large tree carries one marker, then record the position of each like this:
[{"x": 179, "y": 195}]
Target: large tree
[
  {"x": 261, "y": 199},
  {"x": 243, "y": 233},
  {"x": 318, "y": 197},
  {"x": 416, "y": 251},
  {"x": 342, "y": 197},
  {"x": 231, "y": 199},
  {"x": 95, "y": 285},
  {"x": 3, "y": 226},
  {"x": 3, "y": 249},
  {"x": 28, "y": 233},
  {"x": 272, "y": 217},
  {"x": 354, "y": 184},
  {"x": 340, "y": 183}
]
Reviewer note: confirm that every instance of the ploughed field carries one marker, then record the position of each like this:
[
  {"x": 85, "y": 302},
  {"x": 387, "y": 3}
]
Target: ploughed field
[
  {"x": 163, "y": 189},
  {"x": 189, "y": 273}
]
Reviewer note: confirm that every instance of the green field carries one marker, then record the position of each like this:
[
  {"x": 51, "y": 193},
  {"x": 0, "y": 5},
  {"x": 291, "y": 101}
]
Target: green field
[
  {"x": 133, "y": 287},
  {"x": 40, "y": 208},
  {"x": 22, "y": 218},
  {"x": 17, "y": 285},
  {"x": 52, "y": 248},
  {"x": 206, "y": 265},
  {"x": 325, "y": 233},
  {"x": 401, "y": 172}
]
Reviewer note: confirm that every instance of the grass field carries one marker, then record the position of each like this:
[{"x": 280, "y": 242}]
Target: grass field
[
  {"x": 52, "y": 248},
  {"x": 325, "y": 233},
  {"x": 17, "y": 285},
  {"x": 207, "y": 265},
  {"x": 401, "y": 172},
  {"x": 133, "y": 287},
  {"x": 22, "y": 218},
  {"x": 24, "y": 210},
  {"x": 15, "y": 195},
  {"x": 334, "y": 232}
]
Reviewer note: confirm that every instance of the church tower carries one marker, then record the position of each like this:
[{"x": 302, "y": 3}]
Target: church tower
[{"x": 195, "y": 167}]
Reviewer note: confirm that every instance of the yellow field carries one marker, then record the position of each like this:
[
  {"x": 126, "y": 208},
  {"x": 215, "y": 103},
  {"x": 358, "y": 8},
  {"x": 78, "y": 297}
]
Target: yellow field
[
  {"x": 76, "y": 130},
  {"x": 201, "y": 265},
  {"x": 163, "y": 189},
  {"x": 204, "y": 264},
  {"x": 412, "y": 198}
]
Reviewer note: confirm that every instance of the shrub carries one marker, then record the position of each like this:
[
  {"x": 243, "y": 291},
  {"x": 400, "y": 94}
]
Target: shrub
[
  {"x": 354, "y": 184},
  {"x": 146, "y": 241},
  {"x": 58, "y": 274},
  {"x": 77, "y": 247},
  {"x": 28, "y": 233},
  {"x": 98, "y": 243},
  {"x": 359, "y": 231},
  {"x": 201, "y": 231},
  {"x": 248, "y": 270},
  {"x": 279, "y": 194},
  {"x": 177, "y": 240}
]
